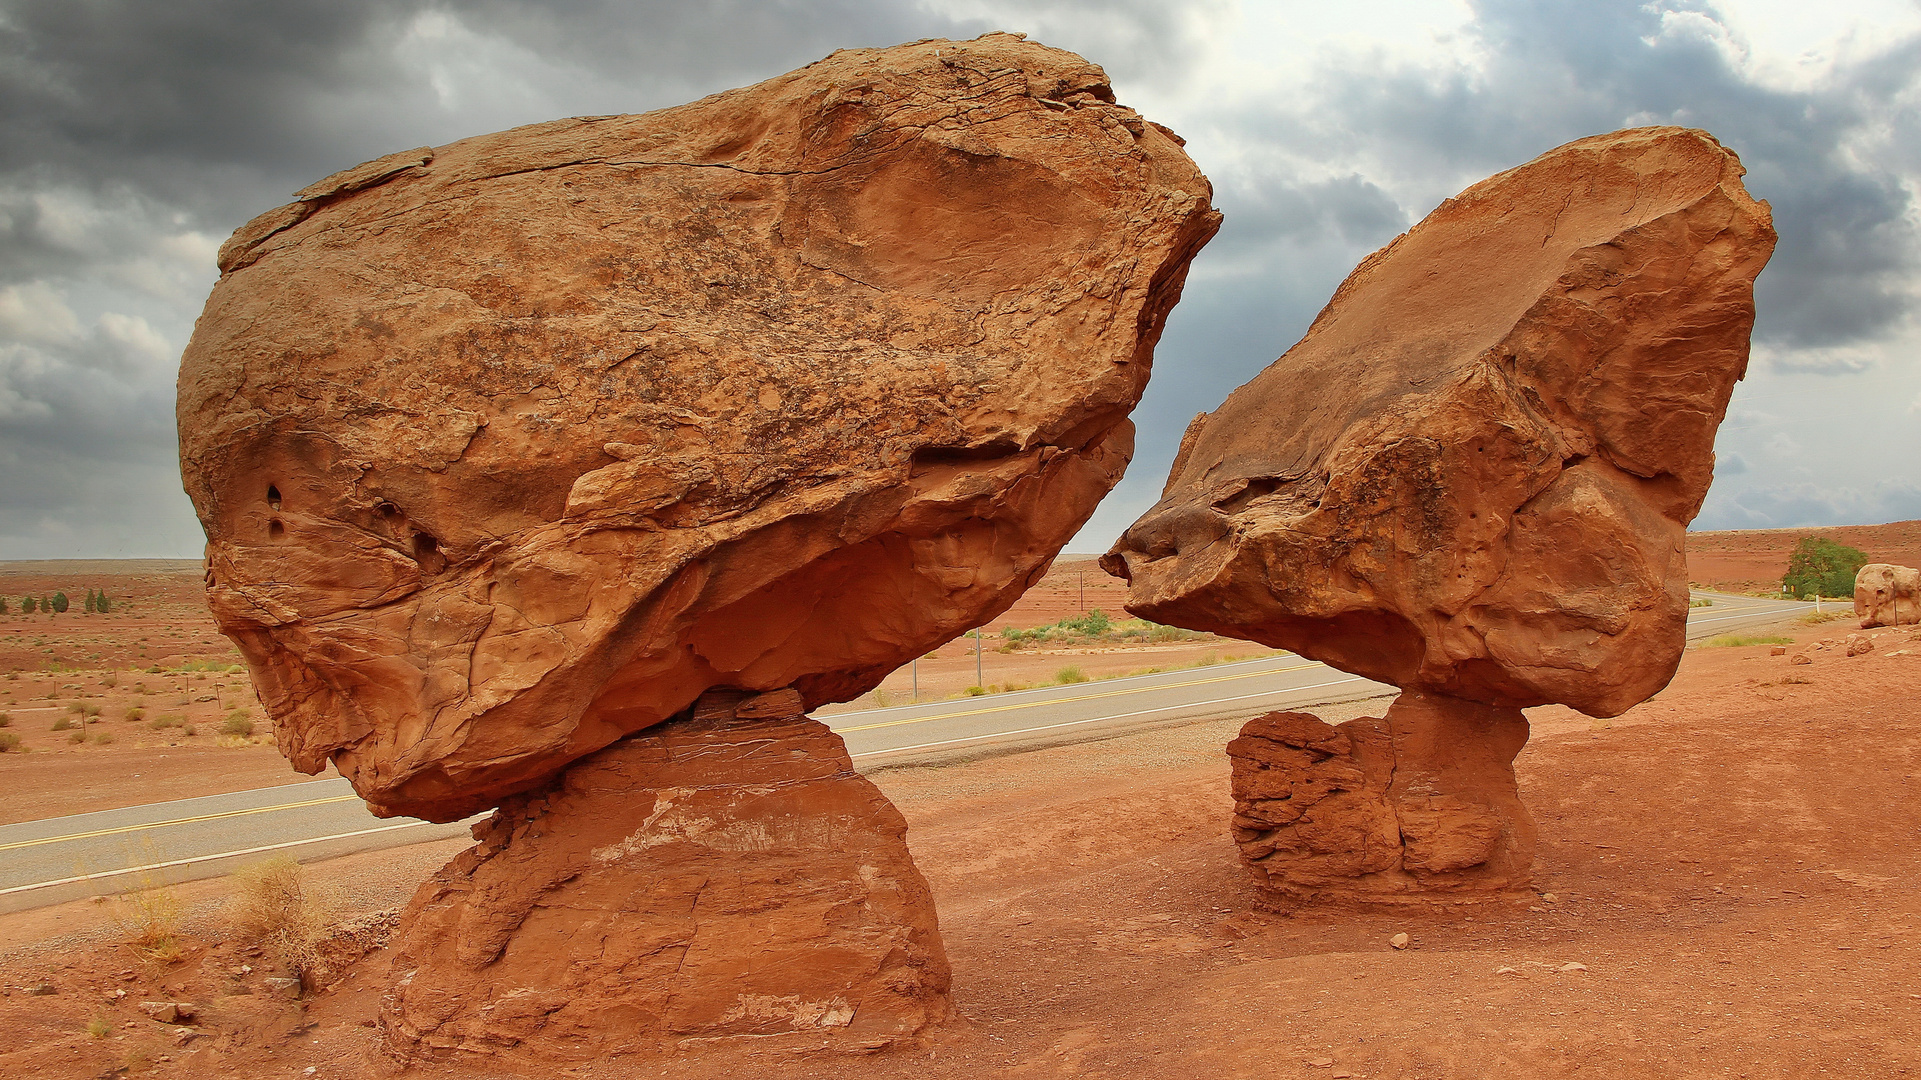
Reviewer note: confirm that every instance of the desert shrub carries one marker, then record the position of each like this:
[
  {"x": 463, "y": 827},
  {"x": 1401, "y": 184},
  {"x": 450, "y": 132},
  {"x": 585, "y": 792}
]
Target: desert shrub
[
  {"x": 1816, "y": 618},
  {"x": 76, "y": 737},
  {"x": 275, "y": 908},
  {"x": 27, "y": 604},
  {"x": 101, "y": 603},
  {"x": 1207, "y": 661},
  {"x": 60, "y": 603},
  {"x": 99, "y": 1027},
  {"x": 189, "y": 730},
  {"x": 1700, "y": 601},
  {"x": 150, "y": 918},
  {"x": 237, "y": 724},
  {"x": 90, "y": 710},
  {"x": 1822, "y": 567},
  {"x": 6, "y": 719},
  {"x": 976, "y": 691},
  {"x": 77, "y": 707},
  {"x": 136, "y": 714},
  {"x": 9, "y": 742},
  {"x": 1739, "y": 640},
  {"x": 88, "y": 606},
  {"x": 63, "y": 724},
  {"x": 103, "y": 738},
  {"x": 167, "y": 720},
  {"x": 1070, "y": 674}
]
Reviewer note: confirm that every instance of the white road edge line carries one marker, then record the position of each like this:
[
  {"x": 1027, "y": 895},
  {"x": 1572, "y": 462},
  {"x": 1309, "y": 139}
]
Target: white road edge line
[
  {"x": 209, "y": 858},
  {"x": 1098, "y": 719}
]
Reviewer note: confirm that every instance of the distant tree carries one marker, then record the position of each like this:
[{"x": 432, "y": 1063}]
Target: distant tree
[
  {"x": 100, "y": 602},
  {"x": 26, "y": 605},
  {"x": 60, "y": 604},
  {"x": 3, "y": 605},
  {"x": 1823, "y": 567},
  {"x": 89, "y": 604}
]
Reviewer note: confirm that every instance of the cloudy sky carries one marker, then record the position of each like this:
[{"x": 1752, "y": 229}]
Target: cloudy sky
[{"x": 134, "y": 136}]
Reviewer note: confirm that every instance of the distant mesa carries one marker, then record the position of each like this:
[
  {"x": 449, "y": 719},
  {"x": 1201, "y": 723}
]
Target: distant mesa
[
  {"x": 525, "y": 461},
  {"x": 1471, "y": 479}
]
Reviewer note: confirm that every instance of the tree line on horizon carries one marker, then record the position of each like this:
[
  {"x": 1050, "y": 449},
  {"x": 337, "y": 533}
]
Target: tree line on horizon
[{"x": 58, "y": 604}]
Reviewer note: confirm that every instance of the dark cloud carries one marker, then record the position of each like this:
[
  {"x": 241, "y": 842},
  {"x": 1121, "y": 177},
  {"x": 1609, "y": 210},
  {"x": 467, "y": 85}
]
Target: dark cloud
[
  {"x": 1559, "y": 70},
  {"x": 134, "y": 136}
]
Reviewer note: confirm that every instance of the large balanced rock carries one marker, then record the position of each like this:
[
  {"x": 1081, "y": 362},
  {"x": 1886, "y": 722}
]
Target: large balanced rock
[
  {"x": 716, "y": 876},
  {"x": 511, "y": 448},
  {"x": 1887, "y": 595},
  {"x": 1472, "y": 477}
]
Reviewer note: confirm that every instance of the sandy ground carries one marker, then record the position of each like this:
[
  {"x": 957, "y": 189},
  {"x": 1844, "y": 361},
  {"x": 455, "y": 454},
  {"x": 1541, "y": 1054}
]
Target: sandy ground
[{"x": 1729, "y": 865}]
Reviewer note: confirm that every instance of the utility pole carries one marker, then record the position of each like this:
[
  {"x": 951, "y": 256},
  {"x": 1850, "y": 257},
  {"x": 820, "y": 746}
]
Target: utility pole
[
  {"x": 914, "y": 694},
  {"x": 1083, "y": 592},
  {"x": 977, "y": 659}
]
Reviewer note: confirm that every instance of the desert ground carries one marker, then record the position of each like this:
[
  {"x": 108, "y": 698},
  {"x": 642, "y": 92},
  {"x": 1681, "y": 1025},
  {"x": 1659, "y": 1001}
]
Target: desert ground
[{"x": 1722, "y": 885}]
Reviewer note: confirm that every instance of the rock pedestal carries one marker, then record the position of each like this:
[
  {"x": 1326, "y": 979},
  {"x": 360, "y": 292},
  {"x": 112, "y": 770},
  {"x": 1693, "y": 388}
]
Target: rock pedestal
[
  {"x": 725, "y": 874},
  {"x": 1418, "y": 805}
]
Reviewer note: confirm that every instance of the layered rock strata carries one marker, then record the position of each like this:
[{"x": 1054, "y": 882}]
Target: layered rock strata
[
  {"x": 1472, "y": 477},
  {"x": 511, "y": 448},
  {"x": 726, "y": 874},
  {"x": 1418, "y": 804},
  {"x": 1887, "y": 595}
]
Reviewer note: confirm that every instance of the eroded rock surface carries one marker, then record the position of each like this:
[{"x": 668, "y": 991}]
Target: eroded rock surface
[
  {"x": 1887, "y": 595},
  {"x": 1473, "y": 475},
  {"x": 727, "y": 874},
  {"x": 1471, "y": 479},
  {"x": 510, "y": 448},
  {"x": 1417, "y": 804}
]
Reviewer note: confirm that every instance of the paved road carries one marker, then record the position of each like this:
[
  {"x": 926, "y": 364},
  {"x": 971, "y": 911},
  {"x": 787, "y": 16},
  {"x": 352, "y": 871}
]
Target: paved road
[{"x": 58, "y": 859}]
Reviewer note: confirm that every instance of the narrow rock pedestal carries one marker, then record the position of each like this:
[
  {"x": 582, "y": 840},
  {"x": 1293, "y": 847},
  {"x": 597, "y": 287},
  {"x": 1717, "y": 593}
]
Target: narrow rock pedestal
[
  {"x": 727, "y": 874},
  {"x": 1419, "y": 806}
]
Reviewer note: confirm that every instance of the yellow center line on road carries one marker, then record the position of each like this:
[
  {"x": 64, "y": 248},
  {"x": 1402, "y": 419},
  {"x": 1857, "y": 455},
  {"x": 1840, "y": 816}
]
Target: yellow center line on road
[
  {"x": 1081, "y": 697},
  {"x": 177, "y": 821}
]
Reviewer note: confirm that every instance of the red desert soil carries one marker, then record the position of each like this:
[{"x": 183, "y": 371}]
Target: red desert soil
[
  {"x": 1753, "y": 560},
  {"x": 1725, "y": 874}
]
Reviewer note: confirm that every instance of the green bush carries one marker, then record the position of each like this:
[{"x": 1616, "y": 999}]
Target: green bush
[
  {"x": 238, "y": 724},
  {"x": 1700, "y": 602},
  {"x": 76, "y": 737},
  {"x": 1070, "y": 674},
  {"x": 9, "y": 742},
  {"x": 103, "y": 738},
  {"x": 165, "y": 721},
  {"x": 26, "y": 605},
  {"x": 1822, "y": 567},
  {"x": 6, "y": 719},
  {"x": 100, "y": 602},
  {"x": 60, "y": 603},
  {"x": 63, "y": 724},
  {"x": 136, "y": 714}
]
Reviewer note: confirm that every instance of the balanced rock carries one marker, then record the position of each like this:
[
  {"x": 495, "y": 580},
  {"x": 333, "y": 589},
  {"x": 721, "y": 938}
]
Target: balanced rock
[
  {"x": 511, "y": 448},
  {"x": 1887, "y": 595},
  {"x": 1472, "y": 477},
  {"x": 712, "y": 877}
]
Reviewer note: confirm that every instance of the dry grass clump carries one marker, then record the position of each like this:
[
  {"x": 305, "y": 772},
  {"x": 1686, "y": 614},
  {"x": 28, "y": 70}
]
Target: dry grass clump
[
  {"x": 150, "y": 919},
  {"x": 276, "y": 908},
  {"x": 9, "y": 742}
]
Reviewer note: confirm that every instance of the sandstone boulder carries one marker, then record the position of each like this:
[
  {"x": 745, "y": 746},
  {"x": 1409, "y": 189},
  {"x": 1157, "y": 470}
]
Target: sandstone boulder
[
  {"x": 511, "y": 448},
  {"x": 1887, "y": 595},
  {"x": 718, "y": 876},
  {"x": 1473, "y": 475},
  {"x": 1402, "y": 807},
  {"x": 1471, "y": 479}
]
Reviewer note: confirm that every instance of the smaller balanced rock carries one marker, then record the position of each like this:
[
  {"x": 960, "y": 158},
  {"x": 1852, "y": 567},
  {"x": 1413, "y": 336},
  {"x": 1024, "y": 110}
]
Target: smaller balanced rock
[{"x": 1471, "y": 479}]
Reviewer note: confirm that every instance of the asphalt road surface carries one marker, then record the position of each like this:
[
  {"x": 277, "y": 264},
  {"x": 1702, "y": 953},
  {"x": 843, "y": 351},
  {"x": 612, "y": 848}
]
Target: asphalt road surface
[{"x": 59, "y": 859}]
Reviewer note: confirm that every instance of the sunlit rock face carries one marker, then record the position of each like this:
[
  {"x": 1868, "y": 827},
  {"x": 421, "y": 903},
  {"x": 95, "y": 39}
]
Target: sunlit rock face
[
  {"x": 509, "y": 448},
  {"x": 1471, "y": 479},
  {"x": 1472, "y": 476}
]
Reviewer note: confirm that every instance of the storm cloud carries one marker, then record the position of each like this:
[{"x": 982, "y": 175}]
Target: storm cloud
[{"x": 135, "y": 136}]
